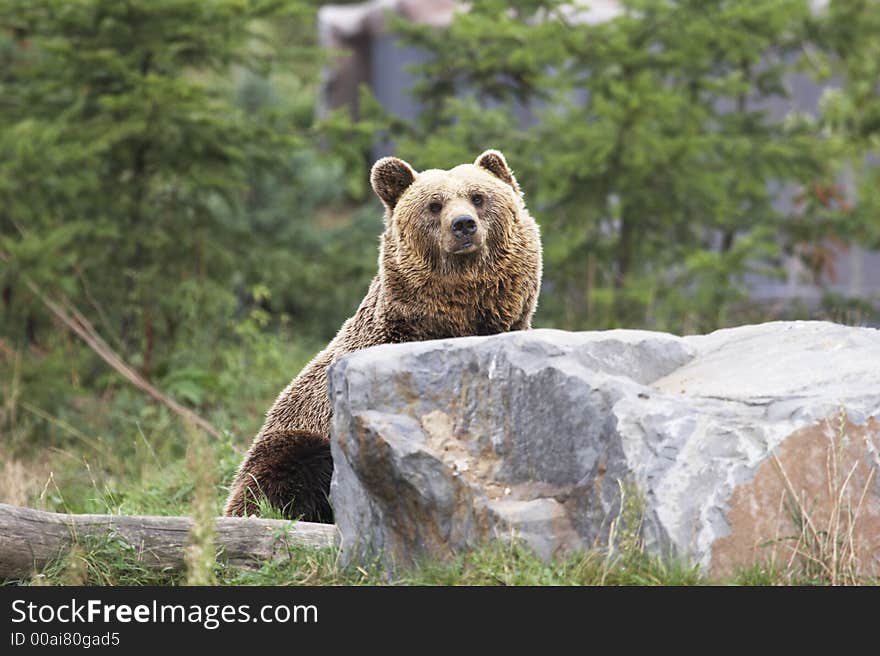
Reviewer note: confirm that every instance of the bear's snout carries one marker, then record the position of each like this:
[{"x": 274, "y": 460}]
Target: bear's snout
[
  {"x": 464, "y": 226},
  {"x": 463, "y": 235}
]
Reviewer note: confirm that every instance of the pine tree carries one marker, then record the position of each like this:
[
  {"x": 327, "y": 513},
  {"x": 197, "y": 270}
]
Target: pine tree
[
  {"x": 125, "y": 158},
  {"x": 645, "y": 151}
]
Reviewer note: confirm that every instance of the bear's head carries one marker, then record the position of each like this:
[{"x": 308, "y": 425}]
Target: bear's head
[{"x": 443, "y": 222}]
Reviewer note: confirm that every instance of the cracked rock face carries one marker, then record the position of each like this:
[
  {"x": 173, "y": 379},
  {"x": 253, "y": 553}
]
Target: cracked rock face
[{"x": 727, "y": 443}]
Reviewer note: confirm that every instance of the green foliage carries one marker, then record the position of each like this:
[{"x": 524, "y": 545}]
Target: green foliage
[
  {"x": 123, "y": 155},
  {"x": 849, "y": 37},
  {"x": 158, "y": 168},
  {"x": 648, "y": 157}
]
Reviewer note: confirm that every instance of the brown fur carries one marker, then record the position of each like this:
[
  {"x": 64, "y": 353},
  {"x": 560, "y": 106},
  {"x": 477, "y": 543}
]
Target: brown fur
[{"x": 424, "y": 290}]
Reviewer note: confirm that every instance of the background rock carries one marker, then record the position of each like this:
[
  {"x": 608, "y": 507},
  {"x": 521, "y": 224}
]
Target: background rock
[{"x": 728, "y": 442}]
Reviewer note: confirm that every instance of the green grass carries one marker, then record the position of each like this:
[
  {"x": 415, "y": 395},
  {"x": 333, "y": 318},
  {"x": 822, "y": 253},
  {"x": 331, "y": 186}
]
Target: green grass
[
  {"x": 110, "y": 561},
  {"x": 106, "y": 448},
  {"x": 105, "y": 561}
]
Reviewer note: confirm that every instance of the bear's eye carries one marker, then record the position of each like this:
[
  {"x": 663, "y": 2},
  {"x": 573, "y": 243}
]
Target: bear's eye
[
  {"x": 477, "y": 200},
  {"x": 435, "y": 207}
]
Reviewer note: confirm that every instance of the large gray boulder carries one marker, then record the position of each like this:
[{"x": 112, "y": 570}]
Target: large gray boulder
[{"x": 750, "y": 444}]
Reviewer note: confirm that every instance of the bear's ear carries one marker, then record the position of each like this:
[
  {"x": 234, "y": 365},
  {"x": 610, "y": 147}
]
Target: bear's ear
[
  {"x": 493, "y": 161},
  {"x": 390, "y": 177}
]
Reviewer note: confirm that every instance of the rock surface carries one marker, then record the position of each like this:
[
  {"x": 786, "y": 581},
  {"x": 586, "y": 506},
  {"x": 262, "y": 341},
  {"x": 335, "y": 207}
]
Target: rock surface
[{"x": 726, "y": 442}]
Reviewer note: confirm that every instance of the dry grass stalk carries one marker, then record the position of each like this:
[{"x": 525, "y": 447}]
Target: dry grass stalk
[
  {"x": 77, "y": 323},
  {"x": 201, "y": 552},
  {"x": 825, "y": 548}
]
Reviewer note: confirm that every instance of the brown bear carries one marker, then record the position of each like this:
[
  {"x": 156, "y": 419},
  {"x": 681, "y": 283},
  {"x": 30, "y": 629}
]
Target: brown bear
[{"x": 460, "y": 255}]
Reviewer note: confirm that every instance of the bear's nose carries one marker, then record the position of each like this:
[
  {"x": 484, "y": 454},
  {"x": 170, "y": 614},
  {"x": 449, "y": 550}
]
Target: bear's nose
[{"x": 463, "y": 226}]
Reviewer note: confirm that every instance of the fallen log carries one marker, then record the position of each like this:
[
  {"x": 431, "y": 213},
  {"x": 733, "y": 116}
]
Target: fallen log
[{"x": 30, "y": 539}]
